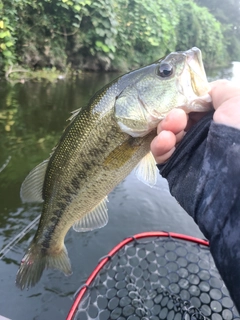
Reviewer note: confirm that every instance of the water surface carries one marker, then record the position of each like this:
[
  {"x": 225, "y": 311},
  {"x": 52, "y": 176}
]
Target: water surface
[{"x": 32, "y": 118}]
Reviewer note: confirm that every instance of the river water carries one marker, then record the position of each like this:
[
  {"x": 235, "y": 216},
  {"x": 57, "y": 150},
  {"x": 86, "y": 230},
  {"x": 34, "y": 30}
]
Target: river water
[{"x": 32, "y": 117}]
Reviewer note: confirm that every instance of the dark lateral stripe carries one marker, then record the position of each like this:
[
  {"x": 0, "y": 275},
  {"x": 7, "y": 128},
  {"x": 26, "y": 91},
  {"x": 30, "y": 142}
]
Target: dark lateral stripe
[
  {"x": 75, "y": 183},
  {"x": 57, "y": 214},
  {"x": 47, "y": 236}
]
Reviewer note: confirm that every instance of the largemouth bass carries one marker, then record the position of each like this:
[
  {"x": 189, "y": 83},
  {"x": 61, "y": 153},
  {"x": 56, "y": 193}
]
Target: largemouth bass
[{"x": 101, "y": 145}]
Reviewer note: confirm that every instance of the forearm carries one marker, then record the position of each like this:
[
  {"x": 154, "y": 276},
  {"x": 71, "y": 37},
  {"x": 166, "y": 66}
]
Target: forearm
[{"x": 204, "y": 176}]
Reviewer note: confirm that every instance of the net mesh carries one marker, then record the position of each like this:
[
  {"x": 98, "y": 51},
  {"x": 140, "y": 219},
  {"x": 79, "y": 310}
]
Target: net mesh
[{"x": 158, "y": 278}]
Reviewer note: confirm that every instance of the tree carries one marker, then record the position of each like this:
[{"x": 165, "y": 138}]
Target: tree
[
  {"x": 197, "y": 27},
  {"x": 228, "y": 13},
  {"x": 106, "y": 34}
]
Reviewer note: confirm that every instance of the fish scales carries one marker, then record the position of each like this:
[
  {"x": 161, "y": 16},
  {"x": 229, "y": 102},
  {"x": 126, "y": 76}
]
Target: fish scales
[
  {"x": 95, "y": 162},
  {"x": 101, "y": 145}
]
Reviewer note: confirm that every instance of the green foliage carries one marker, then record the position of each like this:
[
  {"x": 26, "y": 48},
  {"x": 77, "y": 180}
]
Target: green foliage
[
  {"x": 105, "y": 34},
  {"x": 7, "y": 39},
  {"x": 147, "y": 29},
  {"x": 197, "y": 27},
  {"x": 228, "y": 13}
]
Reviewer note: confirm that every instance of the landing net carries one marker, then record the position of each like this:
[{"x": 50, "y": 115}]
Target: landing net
[{"x": 155, "y": 275}]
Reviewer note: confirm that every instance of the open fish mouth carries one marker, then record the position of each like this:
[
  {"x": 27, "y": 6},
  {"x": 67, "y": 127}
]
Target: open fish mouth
[{"x": 199, "y": 80}]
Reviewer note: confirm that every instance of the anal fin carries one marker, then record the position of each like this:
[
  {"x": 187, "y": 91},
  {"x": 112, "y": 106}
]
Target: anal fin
[{"x": 95, "y": 219}]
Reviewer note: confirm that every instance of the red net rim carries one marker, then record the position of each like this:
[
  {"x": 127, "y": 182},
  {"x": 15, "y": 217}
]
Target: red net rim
[{"x": 119, "y": 246}]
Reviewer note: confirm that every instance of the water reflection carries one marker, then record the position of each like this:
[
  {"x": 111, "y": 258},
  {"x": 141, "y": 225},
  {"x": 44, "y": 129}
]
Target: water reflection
[
  {"x": 5, "y": 164},
  {"x": 231, "y": 73},
  {"x": 32, "y": 117},
  {"x": 236, "y": 72}
]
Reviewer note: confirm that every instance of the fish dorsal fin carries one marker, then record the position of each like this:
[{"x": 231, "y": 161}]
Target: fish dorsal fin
[
  {"x": 74, "y": 114},
  {"x": 31, "y": 189},
  {"x": 146, "y": 170},
  {"x": 95, "y": 219}
]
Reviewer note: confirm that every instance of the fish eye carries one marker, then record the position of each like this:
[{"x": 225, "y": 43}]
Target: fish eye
[{"x": 165, "y": 70}]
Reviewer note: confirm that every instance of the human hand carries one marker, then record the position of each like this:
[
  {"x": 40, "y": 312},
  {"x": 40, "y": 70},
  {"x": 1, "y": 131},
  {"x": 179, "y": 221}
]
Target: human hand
[{"x": 226, "y": 101}]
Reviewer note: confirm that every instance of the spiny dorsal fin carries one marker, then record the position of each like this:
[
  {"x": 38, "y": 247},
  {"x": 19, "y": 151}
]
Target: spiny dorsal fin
[
  {"x": 146, "y": 170},
  {"x": 31, "y": 189},
  {"x": 74, "y": 114},
  {"x": 95, "y": 219}
]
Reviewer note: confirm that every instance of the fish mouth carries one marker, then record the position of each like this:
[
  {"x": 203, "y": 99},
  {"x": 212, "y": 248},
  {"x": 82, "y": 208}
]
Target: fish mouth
[{"x": 198, "y": 76}]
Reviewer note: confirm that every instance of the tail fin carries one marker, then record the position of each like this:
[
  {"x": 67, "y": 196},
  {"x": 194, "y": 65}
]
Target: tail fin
[{"x": 35, "y": 261}]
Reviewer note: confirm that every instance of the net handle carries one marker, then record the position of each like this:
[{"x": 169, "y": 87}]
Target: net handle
[{"x": 119, "y": 246}]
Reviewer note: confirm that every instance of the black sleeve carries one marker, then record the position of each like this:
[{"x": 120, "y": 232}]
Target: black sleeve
[{"x": 204, "y": 176}]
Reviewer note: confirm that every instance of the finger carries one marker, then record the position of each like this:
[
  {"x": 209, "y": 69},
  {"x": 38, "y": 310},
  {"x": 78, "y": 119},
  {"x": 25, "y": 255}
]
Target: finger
[
  {"x": 164, "y": 158},
  {"x": 163, "y": 145},
  {"x": 175, "y": 121},
  {"x": 179, "y": 136},
  {"x": 226, "y": 101},
  {"x": 223, "y": 91},
  {"x": 229, "y": 113}
]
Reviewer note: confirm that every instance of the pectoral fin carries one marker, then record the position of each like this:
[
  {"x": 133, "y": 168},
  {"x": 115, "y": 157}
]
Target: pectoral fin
[
  {"x": 146, "y": 170},
  {"x": 95, "y": 219},
  {"x": 31, "y": 189}
]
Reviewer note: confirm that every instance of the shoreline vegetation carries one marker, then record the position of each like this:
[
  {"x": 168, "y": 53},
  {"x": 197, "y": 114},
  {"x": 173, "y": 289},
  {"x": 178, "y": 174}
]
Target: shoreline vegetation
[
  {"x": 45, "y": 39},
  {"x": 17, "y": 74}
]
